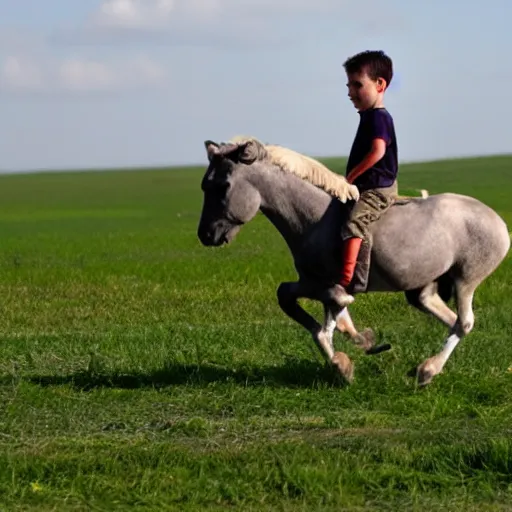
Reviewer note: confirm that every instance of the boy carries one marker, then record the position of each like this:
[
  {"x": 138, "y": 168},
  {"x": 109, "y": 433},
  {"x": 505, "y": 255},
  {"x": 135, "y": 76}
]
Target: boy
[{"x": 373, "y": 162}]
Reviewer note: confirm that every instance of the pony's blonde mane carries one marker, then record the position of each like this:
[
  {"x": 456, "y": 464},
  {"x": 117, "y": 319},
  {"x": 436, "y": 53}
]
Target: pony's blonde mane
[{"x": 305, "y": 167}]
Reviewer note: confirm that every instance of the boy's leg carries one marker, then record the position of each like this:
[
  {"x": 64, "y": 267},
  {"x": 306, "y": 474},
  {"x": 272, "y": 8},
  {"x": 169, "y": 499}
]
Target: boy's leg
[
  {"x": 350, "y": 252},
  {"x": 371, "y": 205}
]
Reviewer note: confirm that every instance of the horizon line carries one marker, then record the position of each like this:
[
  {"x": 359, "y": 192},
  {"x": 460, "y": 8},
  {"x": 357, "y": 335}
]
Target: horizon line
[{"x": 178, "y": 166}]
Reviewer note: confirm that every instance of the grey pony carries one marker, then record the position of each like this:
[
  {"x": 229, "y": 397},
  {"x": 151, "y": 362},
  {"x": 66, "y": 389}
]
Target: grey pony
[{"x": 430, "y": 248}]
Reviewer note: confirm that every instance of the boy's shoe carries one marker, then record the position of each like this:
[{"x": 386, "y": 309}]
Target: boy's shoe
[
  {"x": 338, "y": 292},
  {"x": 339, "y": 295}
]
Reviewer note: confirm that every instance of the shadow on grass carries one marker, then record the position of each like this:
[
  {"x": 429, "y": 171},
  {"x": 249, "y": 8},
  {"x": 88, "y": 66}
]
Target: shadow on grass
[{"x": 301, "y": 373}]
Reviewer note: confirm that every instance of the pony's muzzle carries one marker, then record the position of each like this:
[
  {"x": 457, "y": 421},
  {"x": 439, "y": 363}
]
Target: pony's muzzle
[
  {"x": 218, "y": 232},
  {"x": 206, "y": 236},
  {"x": 213, "y": 236}
]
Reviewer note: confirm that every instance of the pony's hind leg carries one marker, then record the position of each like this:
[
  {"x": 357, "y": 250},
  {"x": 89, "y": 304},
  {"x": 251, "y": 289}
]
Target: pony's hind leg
[
  {"x": 461, "y": 327},
  {"x": 429, "y": 301}
]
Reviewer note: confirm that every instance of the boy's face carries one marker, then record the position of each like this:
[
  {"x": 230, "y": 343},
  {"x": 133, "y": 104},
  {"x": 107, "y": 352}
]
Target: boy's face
[{"x": 364, "y": 92}]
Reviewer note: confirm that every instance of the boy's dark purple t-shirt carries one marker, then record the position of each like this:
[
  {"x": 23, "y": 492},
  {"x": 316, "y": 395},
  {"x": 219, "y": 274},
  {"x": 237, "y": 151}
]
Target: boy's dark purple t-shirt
[{"x": 375, "y": 123}]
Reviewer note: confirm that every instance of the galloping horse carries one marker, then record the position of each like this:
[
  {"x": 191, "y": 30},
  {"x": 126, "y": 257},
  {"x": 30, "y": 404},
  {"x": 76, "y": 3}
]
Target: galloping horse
[{"x": 426, "y": 247}]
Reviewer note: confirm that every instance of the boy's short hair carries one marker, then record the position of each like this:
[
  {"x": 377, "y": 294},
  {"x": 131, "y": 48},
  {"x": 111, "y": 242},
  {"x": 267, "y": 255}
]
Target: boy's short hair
[{"x": 375, "y": 62}]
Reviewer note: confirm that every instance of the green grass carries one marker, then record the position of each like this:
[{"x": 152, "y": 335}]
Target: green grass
[{"x": 140, "y": 370}]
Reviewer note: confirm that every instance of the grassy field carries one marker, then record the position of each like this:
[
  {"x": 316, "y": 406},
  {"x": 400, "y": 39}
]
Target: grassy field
[{"x": 140, "y": 370}]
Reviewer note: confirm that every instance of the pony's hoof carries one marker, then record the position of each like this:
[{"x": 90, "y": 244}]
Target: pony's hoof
[
  {"x": 365, "y": 339},
  {"x": 426, "y": 372},
  {"x": 344, "y": 365}
]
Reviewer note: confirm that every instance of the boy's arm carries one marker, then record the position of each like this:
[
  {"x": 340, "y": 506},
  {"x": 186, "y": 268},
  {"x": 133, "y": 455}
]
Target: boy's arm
[{"x": 376, "y": 152}]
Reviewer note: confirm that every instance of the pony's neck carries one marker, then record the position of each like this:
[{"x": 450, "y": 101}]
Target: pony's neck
[{"x": 291, "y": 204}]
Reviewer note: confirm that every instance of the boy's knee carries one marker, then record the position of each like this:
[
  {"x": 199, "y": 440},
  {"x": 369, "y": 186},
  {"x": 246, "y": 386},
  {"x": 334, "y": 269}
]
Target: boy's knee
[{"x": 354, "y": 229}]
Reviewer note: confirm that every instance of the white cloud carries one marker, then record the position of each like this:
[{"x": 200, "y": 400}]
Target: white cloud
[
  {"x": 156, "y": 13},
  {"x": 223, "y": 22},
  {"x": 29, "y": 64},
  {"x": 21, "y": 73},
  {"x": 133, "y": 13},
  {"x": 228, "y": 15}
]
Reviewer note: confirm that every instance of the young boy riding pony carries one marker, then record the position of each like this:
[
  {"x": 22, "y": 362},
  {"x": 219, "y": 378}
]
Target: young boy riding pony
[{"x": 373, "y": 161}]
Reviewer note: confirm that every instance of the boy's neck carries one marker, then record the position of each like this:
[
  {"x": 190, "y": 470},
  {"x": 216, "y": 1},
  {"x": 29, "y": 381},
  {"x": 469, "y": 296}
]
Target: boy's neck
[
  {"x": 376, "y": 106},
  {"x": 379, "y": 103}
]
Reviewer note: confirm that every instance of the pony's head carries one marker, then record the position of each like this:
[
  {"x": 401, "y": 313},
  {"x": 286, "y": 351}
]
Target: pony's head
[{"x": 229, "y": 200}]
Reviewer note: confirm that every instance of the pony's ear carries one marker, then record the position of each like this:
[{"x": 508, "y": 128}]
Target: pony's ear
[
  {"x": 228, "y": 148},
  {"x": 249, "y": 152},
  {"x": 244, "y": 151},
  {"x": 212, "y": 148}
]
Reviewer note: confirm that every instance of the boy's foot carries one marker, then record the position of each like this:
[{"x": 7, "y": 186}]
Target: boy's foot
[{"x": 339, "y": 295}]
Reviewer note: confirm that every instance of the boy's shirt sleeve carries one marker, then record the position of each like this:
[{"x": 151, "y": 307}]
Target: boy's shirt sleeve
[{"x": 380, "y": 127}]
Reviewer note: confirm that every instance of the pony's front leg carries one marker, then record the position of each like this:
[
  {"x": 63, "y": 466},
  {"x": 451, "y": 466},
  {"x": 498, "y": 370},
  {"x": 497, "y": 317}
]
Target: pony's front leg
[
  {"x": 288, "y": 295},
  {"x": 344, "y": 323},
  {"x": 364, "y": 339}
]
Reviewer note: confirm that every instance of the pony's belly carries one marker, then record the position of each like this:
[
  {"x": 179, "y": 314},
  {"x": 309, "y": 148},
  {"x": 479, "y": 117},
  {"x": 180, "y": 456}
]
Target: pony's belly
[{"x": 409, "y": 269}]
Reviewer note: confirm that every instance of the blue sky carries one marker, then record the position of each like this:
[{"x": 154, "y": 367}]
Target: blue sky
[{"x": 102, "y": 83}]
